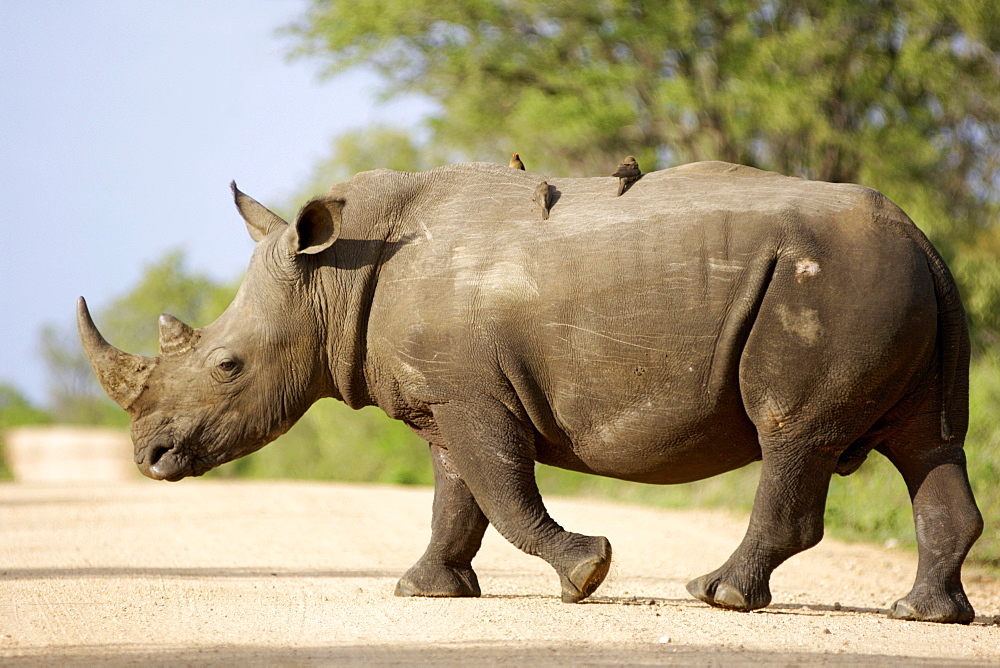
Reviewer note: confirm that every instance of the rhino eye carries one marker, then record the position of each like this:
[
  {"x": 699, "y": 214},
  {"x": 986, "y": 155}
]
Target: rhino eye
[{"x": 226, "y": 369}]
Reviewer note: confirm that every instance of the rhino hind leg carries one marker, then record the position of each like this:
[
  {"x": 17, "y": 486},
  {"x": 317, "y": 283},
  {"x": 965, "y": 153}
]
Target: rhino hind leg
[
  {"x": 787, "y": 518},
  {"x": 947, "y": 523},
  {"x": 457, "y": 529},
  {"x": 492, "y": 452}
]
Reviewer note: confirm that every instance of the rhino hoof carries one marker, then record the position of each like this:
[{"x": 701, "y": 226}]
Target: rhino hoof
[
  {"x": 729, "y": 599},
  {"x": 942, "y": 609},
  {"x": 438, "y": 581},
  {"x": 720, "y": 595},
  {"x": 586, "y": 576}
]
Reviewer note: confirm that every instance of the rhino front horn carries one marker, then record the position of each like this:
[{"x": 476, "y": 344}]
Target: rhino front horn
[{"x": 122, "y": 375}]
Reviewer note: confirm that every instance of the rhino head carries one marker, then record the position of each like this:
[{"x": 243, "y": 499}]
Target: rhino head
[{"x": 216, "y": 393}]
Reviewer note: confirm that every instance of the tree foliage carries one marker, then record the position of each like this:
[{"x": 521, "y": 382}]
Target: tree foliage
[
  {"x": 372, "y": 147},
  {"x": 900, "y": 95},
  {"x": 74, "y": 394},
  {"x": 167, "y": 285}
]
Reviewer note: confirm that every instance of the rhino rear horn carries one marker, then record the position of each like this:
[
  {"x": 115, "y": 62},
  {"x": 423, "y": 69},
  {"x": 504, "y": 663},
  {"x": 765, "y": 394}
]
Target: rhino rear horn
[
  {"x": 122, "y": 375},
  {"x": 260, "y": 220},
  {"x": 176, "y": 338}
]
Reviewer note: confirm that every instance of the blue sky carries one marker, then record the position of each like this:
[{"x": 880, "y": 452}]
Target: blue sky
[{"x": 121, "y": 126}]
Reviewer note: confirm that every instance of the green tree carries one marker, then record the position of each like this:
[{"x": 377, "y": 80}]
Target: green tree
[
  {"x": 371, "y": 147},
  {"x": 900, "y": 95},
  {"x": 166, "y": 286},
  {"x": 74, "y": 394}
]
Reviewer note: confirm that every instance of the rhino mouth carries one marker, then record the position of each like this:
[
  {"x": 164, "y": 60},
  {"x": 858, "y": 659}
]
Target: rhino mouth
[
  {"x": 163, "y": 463},
  {"x": 168, "y": 462}
]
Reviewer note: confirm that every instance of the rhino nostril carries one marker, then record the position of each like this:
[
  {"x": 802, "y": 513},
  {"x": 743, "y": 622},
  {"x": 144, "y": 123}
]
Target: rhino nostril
[{"x": 156, "y": 454}]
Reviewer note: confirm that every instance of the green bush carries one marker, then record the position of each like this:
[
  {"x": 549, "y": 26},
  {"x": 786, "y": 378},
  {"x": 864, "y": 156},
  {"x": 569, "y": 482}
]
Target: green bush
[
  {"x": 982, "y": 447},
  {"x": 16, "y": 410},
  {"x": 333, "y": 442}
]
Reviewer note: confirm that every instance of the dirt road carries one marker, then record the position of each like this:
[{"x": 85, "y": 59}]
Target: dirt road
[{"x": 283, "y": 573}]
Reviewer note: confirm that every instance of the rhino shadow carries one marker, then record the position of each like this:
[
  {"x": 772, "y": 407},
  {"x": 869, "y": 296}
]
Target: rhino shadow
[
  {"x": 554, "y": 194},
  {"x": 354, "y": 254}
]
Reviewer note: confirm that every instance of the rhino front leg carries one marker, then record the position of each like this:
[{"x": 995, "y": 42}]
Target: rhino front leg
[
  {"x": 457, "y": 528},
  {"x": 787, "y": 518},
  {"x": 494, "y": 454}
]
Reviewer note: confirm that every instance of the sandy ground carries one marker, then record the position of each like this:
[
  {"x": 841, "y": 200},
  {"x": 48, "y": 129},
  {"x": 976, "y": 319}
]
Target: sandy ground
[{"x": 144, "y": 573}]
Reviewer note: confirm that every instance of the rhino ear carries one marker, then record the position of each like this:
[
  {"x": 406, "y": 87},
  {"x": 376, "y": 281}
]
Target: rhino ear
[
  {"x": 317, "y": 226},
  {"x": 260, "y": 220}
]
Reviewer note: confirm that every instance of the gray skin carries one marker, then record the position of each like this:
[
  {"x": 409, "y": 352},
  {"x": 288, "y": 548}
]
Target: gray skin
[{"x": 717, "y": 316}]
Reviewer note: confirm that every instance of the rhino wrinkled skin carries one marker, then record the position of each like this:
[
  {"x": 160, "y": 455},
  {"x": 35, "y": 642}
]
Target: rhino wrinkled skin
[{"x": 712, "y": 316}]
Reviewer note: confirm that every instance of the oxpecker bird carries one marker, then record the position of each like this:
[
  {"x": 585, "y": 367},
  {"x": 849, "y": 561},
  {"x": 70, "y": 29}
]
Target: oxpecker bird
[
  {"x": 627, "y": 173},
  {"x": 515, "y": 162},
  {"x": 543, "y": 198}
]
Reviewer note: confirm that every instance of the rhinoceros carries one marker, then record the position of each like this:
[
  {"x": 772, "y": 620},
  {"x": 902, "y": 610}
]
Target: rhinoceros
[{"x": 712, "y": 316}]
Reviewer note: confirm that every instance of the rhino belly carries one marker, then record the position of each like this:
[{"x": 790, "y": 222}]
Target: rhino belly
[{"x": 655, "y": 444}]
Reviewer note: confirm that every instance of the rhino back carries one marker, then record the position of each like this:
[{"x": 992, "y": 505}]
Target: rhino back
[{"x": 623, "y": 320}]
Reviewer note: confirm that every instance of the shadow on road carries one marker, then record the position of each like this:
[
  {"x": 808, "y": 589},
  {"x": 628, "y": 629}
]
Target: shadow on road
[
  {"x": 183, "y": 572},
  {"x": 458, "y": 654}
]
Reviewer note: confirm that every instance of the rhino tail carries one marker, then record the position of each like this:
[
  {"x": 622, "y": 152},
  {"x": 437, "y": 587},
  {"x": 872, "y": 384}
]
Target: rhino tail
[
  {"x": 953, "y": 334},
  {"x": 953, "y": 337}
]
